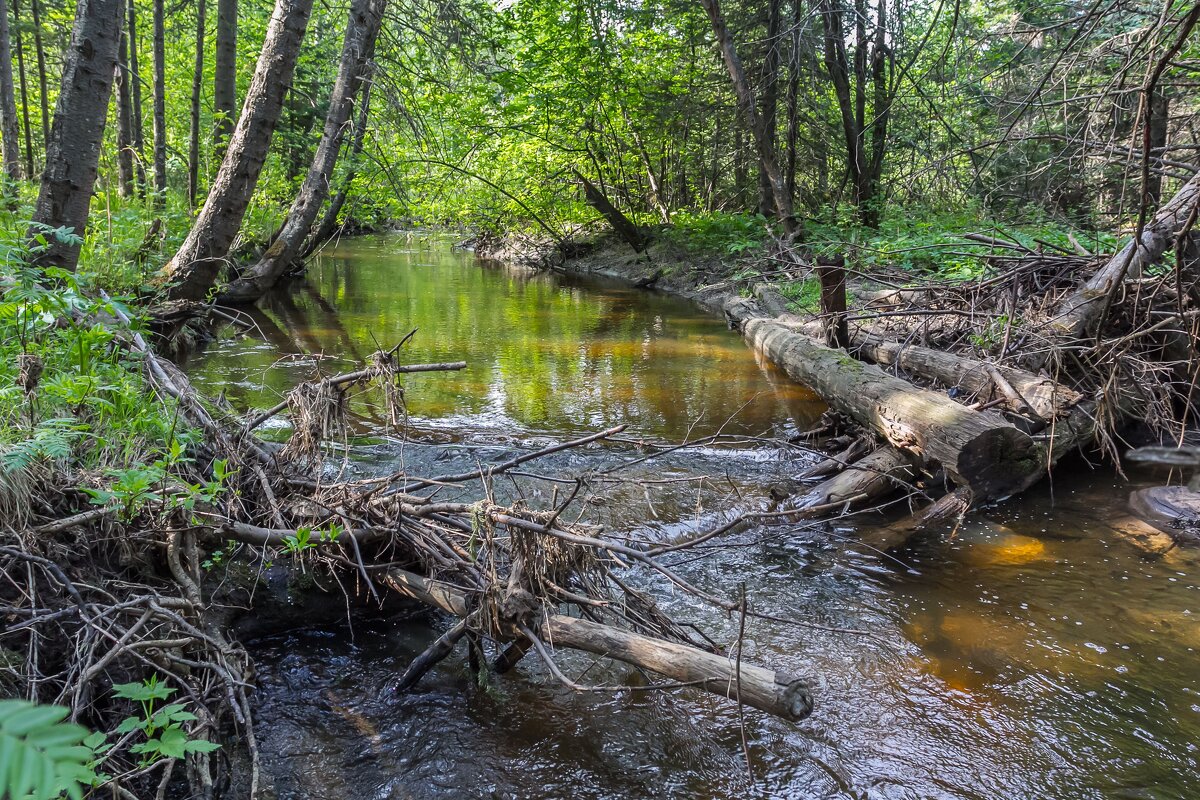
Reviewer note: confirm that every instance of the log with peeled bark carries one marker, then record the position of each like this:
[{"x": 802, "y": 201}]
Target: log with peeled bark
[
  {"x": 869, "y": 478},
  {"x": 977, "y": 449},
  {"x": 776, "y": 693},
  {"x": 1082, "y": 308}
]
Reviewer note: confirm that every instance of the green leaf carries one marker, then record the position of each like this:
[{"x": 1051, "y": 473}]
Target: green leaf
[{"x": 40, "y": 755}]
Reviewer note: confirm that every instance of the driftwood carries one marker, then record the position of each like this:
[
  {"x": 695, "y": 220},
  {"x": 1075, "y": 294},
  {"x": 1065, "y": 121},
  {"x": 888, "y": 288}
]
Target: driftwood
[
  {"x": 978, "y": 449},
  {"x": 767, "y": 690}
]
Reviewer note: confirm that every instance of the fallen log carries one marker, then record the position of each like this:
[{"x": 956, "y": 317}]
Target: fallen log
[
  {"x": 977, "y": 449},
  {"x": 1083, "y": 307},
  {"x": 776, "y": 693},
  {"x": 1043, "y": 396},
  {"x": 869, "y": 478}
]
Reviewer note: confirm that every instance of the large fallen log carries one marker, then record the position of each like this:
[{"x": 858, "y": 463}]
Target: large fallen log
[
  {"x": 1083, "y": 307},
  {"x": 776, "y": 693},
  {"x": 977, "y": 449},
  {"x": 1042, "y": 396}
]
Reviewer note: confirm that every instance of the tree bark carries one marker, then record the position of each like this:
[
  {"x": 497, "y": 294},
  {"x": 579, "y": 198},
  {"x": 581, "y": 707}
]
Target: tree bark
[
  {"x": 123, "y": 77},
  {"x": 197, "y": 84},
  {"x": 978, "y": 449},
  {"x": 35, "y": 7},
  {"x": 225, "y": 78},
  {"x": 160, "y": 107},
  {"x": 328, "y": 224},
  {"x": 1083, "y": 307},
  {"x": 630, "y": 233},
  {"x": 9, "y": 123},
  {"x": 29, "y": 169},
  {"x": 225, "y": 74},
  {"x": 774, "y": 692},
  {"x": 770, "y": 104},
  {"x": 746, "y": 103},
  {"x": 362, "y": 28},
  {"x": 194, "y": 269},
  {"x": 1160, "y": 118},
  {"x": 73, "y": 145},
  {"x": 135, "y": 86}
]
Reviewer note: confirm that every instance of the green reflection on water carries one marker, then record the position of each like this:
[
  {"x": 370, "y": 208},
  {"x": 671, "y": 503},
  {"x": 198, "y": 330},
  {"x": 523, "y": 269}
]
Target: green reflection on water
[{"x": 545, "y": 353}]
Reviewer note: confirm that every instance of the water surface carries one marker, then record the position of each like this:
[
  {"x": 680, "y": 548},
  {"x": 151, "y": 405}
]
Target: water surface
[{"x": 1035, "y": 653}]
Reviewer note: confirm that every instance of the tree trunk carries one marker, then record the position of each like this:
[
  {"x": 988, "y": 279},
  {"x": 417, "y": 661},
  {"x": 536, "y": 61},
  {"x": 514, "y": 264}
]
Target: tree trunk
[
  {"x": 73, "y": 145},
  {"x": 197, "y": 84},
  {"x": 793, "y": 101},
  {"x": 123, "y": 77},
  {"x": 366, "y": 16},
  {"x": 135, "y": 86},
  {"x": 774, "y": 692},
  {"x": 630, "y": 233},
  {"x": 978, "y": 449},
  {"x": 1160, "y": 118},
  {"x": 746, "y": 103},
  {"x": 9, "y": 123},
  {"x": 29, "y": 170},
  {"x": 770, "y": 104},
  {"x": 194, "y": 269},
  {"x": 325, "y": 229},
  {"x": 863, "y": 169},
  {"x": 44, "y": 94},
  {"x": 1082, "y": 308},
  {"x": 225, "y": 74},
  {"x": 160, "y": 107}
]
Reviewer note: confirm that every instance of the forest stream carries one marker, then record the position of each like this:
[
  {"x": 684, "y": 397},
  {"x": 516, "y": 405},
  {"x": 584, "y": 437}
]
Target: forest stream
[{"x": 1034, "y": 654}]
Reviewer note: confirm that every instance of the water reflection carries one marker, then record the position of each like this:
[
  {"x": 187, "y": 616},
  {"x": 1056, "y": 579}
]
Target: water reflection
[
  {"x": 1034, "y": 654},
  {"x": 545, "y": 353}
]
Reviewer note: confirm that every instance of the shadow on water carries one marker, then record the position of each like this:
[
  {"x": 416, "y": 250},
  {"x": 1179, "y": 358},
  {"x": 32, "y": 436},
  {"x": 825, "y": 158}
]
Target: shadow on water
[{"x": 1033, "y": 655}]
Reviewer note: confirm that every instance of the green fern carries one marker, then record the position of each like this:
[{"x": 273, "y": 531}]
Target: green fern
[{"x": 41, "y": 757}]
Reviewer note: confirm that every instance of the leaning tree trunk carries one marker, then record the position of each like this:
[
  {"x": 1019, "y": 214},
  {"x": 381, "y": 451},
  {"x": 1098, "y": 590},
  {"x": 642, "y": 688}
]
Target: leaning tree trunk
[
  {"x": 329, "y": 221},
  {"x": 225, "y": 73},
  {"x": 194, "y": 269},
  {"x": 73, "y": 145},
  {"x": 361, "y": 30},
  {"x": 977, "y": 449},
  {"x": 9, "y": 127},
  {"x": 746, "y": 103},
  {"x": 1082, "y": 309}
]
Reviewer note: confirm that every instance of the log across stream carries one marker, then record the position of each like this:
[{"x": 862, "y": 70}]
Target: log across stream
[{"x": 1035, "y": 654}]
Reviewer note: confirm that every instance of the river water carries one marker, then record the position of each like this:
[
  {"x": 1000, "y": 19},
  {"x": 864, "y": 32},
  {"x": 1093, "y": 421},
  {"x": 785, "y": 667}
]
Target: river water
[{"x": 1035, "y": 653}]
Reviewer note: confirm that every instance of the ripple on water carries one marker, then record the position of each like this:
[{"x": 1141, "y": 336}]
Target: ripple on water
[{"x": 1034, "y": 655}]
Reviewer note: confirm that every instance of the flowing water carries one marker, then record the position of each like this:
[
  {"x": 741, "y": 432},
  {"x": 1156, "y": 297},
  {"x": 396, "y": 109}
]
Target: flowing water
[{"x": 1033, "y": 654}]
